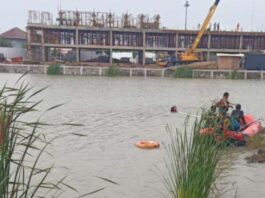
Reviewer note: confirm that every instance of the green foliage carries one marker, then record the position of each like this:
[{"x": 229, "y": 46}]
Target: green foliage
[
  {"x": 184, "y": 72},
  {"x": 235, "y": 75},
  {"x": 21, "y": 147},
  {"x": 54, "y": 69},
  {"x": 192, "y": 162},
  {"x": 113, "y": 70},
  {"x": 258, "y": 141},
  {"x": 4, "y": 42}
]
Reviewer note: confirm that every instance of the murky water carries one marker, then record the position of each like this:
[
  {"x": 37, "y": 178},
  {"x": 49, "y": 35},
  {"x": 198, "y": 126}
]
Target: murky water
[{"x": 116, "y": 113}]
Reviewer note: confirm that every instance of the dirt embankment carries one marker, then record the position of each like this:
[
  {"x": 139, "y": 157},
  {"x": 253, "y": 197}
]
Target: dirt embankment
[
  {"x": 204, "y": 65},
  {"x": 196, "y": 65},
  {"x": 259, "y": 157}
]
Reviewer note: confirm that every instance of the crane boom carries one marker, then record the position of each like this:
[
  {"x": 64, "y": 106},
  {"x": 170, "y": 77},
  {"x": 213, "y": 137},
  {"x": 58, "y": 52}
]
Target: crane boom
[
  {"x": 204, "y": 26},
  {"x": 189, "y": 55}
]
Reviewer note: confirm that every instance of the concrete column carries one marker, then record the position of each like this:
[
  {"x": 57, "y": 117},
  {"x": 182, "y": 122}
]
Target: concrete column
[
  {"x": 144, "y": 39},
  {"x": 144, "y": 47},
  {"x": 241, "y": 42},
  {"x": 209, "y": 41},
  {"x": 110, "y": 55},
  {"x": 111, "y": 45},
  {"x": 141, "y": 57},
  {"x": 177, "y": 40},
  {"x": 143, "y": 61},
  {"x": 209, "y": 46},
  {"x": 77, "y": 55},
  {"x": 28, "y": 36},
  {"x": 77, "y": 43},
  {"x": 43, "y": 58},
  {"x": 208, "y": 55},
  {"x": 76, "y": 37},
  {"x": 111, "y": 38},
  {"x": 29, "y": 52},
  {"x": 245, "y": 75}
]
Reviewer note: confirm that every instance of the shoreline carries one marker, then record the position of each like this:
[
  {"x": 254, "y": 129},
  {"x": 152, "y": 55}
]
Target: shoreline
[{"x": 135, "y": 72}]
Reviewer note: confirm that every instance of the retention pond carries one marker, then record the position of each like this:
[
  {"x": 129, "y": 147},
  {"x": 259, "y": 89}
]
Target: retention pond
[{"x": 117, "y": 112}]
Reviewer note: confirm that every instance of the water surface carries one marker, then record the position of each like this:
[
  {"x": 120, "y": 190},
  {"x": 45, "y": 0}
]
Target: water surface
[{"x": 117, "y": 112}]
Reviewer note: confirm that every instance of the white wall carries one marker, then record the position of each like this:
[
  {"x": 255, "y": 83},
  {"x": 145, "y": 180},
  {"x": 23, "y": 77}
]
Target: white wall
[
  {"x": 17, "y": 43},
  {"x": 13, "y": 52}
]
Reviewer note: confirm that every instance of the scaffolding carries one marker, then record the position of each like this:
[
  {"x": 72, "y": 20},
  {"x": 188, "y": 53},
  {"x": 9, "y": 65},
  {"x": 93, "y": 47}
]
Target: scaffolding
[
  {"x": 95, "y": 19},
  {"x": 104, "y": 31},
  {"x": 128, "y": 21},
  {"x": 145, "y": 22},
  {"x": 43, "y": 18},
  {"x": 91, "y": 19}
]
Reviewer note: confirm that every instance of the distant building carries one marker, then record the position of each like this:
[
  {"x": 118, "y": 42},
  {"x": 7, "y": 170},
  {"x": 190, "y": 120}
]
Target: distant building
[
  {"x": 16, "y": 37},
  {"x": 229, "y": 61},
  {"x": 85, "y": 33}
]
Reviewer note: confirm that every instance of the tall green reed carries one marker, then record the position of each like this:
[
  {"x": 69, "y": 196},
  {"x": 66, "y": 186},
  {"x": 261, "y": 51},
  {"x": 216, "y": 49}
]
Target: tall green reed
[
  {"x": 54, "y": 69},
  {"x": 192, "y": 160},
  {"x": 113, "y": 71},
  {"x": 22, "y": 145},
  {"x": 184, "y": 72}
]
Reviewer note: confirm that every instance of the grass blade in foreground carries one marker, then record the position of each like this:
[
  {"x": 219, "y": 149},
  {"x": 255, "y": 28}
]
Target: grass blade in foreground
[
  {"x": 22, "y": 146},
  {"x": 192, "y": 162}
]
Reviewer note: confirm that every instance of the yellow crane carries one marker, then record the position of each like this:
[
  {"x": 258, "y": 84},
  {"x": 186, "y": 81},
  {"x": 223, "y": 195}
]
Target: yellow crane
[{"x": 190, "y": 55}]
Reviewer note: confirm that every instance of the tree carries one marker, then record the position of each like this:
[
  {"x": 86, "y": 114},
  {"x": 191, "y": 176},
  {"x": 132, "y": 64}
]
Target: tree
[{"x": 4, "y": 42}]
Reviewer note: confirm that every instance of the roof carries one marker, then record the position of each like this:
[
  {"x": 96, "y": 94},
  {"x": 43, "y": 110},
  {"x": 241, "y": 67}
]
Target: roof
[
  {"x": 14, "y": 33},
  {"x": 230, "y": 55}
]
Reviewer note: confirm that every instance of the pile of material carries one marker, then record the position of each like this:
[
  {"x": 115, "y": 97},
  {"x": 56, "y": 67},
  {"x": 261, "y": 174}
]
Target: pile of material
[
  {"x": 197, "y": 65},
  {"x": 203, "y": 65},
  {"x": 257, "y": 158}
]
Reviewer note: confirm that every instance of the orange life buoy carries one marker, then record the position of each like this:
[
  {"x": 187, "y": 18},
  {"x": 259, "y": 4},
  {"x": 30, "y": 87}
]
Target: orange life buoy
[
  {"x": 207, "y": 131},
  {"x": 147, "y": 144}
]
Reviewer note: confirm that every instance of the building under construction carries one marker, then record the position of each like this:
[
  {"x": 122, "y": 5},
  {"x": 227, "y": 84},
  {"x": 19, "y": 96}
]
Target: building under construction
[{"x": 76, "y": 36}]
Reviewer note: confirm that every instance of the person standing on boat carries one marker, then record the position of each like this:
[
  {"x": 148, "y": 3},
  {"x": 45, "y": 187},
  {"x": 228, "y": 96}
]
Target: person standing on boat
[
  {"x": 223, "y": 104},
  {"x": 237, "y": 117}
]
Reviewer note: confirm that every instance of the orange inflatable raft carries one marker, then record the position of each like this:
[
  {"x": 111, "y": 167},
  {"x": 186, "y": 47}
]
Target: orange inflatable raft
[
  {"x": 252, "y": 128},
  {"x": 147, "y": 144}
]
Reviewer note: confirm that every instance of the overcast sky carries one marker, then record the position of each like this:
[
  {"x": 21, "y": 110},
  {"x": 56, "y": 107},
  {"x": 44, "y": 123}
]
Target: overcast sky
[{"x": 249, "y": 13}]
